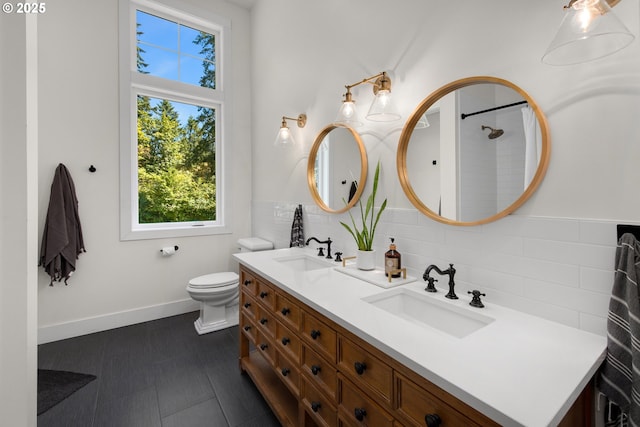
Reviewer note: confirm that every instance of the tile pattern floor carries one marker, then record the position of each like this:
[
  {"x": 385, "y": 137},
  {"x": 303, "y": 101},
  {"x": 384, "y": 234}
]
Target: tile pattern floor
[{"x": 157, "y": 374}]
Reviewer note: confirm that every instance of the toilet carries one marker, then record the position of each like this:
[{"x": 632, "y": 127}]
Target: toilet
[{"x": 218, "y": 292}]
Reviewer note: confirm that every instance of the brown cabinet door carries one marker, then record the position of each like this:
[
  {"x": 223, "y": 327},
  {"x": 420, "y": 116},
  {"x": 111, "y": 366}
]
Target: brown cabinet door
[
  {"x": 358, "y": 409},
  {"x": 365, "y": 369},
  {"x": 321, "y": 373},
  {"x": 321, "y": 337}
]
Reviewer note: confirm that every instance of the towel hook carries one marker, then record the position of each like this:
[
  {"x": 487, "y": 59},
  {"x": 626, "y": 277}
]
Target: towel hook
[{"x": 92, "y": 169}]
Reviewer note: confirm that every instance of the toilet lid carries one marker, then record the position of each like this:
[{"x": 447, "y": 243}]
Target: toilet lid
[{"x": 214, "y": 280}]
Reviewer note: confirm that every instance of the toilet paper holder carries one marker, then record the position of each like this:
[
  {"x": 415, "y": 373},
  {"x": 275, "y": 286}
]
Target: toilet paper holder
[{"x": 175, "y": 247}]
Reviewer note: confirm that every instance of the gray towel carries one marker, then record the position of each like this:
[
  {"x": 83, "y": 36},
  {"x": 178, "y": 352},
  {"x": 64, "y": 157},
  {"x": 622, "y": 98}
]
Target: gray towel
[
  {"x": 297, "y": 231},
  {"x": 62, "y": 240},
  {"x": 620, "y": 374}
]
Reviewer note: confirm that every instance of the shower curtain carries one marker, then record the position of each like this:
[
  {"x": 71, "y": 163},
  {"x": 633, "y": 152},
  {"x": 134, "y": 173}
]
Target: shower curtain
[{"x": 533, "y": 144}]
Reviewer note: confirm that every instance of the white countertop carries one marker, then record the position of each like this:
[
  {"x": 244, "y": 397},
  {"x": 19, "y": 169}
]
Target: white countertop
[{"x": 517, "y": 370}]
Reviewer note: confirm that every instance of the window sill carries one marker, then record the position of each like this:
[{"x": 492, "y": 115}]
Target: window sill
[{"x": 161, "y": 233}]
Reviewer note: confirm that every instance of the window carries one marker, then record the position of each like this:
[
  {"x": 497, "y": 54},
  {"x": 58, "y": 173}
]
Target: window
[{"x": 172, "y": 121}]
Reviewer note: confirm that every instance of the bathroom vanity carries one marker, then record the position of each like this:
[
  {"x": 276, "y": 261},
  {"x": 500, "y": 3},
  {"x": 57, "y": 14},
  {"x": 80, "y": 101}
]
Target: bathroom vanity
[{"x": 324, "y": 351}]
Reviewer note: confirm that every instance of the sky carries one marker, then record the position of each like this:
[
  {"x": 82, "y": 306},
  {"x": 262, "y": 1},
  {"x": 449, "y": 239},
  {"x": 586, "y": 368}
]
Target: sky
[{"x": 170, "y": 52}]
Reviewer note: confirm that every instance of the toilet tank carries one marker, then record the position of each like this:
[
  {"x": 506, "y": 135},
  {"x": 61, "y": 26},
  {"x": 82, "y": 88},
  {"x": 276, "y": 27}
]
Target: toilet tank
[{"x": 254, "y": 244}]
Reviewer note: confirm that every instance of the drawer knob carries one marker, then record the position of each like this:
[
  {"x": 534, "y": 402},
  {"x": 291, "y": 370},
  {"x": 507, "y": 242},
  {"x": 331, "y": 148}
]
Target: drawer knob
[
  {"x": 247, "y": 304},
  {"x": 360, "y": 367},
  {"x": 285, "y": 341},
  {"x": 315, "y": 369},
  {"x": 315, "y": 333},
  {"x": 263, "y": 347},
  {"x": 264, "y": 294},
  {"x": 285, "y": 311},
  {"x": 315, "y": 406},
  {"x": 247, "y": 282},
  {"x": 432, "y": 420},
  {"x": 285, "y": 372},
  {"x": 247, "y": 328},
  {"x": 263, "y": 321},
  {"x": 360, "y": 413}
]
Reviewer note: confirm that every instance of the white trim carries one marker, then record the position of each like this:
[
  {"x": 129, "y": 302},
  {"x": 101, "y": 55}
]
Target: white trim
[
  {"x": 132, "y": 82},
  {"x": 105, "y": 322}
]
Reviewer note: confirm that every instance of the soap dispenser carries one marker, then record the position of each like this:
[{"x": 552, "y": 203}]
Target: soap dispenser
[{"x": 392, "y": 260}]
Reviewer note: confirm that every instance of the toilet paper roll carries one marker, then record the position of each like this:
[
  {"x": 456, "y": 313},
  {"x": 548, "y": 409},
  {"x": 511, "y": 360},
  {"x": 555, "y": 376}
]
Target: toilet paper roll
[{"x": 168, "y": 250}]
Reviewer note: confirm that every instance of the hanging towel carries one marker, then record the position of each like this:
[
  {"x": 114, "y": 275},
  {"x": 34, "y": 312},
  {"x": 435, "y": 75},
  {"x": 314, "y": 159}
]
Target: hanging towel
[
  {"x": 297, "y": 232},
  {"x": 620, "y": 374},
  {"x": 353, "y": 189},
  {"x": 62, "y": 240}
]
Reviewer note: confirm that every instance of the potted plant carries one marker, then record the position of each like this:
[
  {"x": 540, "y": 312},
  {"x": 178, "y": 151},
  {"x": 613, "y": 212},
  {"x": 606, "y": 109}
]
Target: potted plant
[{"x": 365, "y": 234}]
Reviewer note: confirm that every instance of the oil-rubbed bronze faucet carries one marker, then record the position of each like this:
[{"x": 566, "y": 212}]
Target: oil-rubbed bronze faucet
[
  {"x": 320, "y": 252},
  {"x": 431, "y": 288}
]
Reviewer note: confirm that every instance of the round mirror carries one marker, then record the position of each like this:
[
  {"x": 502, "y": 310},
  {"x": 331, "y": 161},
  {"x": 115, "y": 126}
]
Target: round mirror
[
  {"x": 337, "y": 168},
  {"x": 473, "y": 151}
]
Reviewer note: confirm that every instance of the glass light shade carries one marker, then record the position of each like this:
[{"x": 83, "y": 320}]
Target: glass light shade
[
  {"x": 588, "y": 31},
  {"x": 382, "y": 108},
  {"x": 284, "y": 138},
  {"x": 423, "y": 122},
  {"x": 348, "y": 114}
]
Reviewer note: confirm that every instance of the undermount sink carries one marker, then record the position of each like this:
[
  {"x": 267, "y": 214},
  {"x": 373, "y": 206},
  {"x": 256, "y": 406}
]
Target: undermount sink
[
  {"x": 427, "y": 311},
  {"x": 304, "y": 262}
]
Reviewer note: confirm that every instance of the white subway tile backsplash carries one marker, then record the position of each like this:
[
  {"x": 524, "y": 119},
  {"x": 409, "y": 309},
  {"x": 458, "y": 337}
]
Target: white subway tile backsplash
[
  {"x": 598, "y": 232},
  {"x": 595, "y": 324},
  {"x": 571, "y": 298},
  {"x": 596, "y": 280},
  {"x": 556, "y": 268},
  {"x": 595, "y": 256}
]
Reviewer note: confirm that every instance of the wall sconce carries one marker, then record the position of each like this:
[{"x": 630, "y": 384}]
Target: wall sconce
[
  {"x": 588, "y": 31},
  {"x": 285, "y": 137},
  {"x": 381, "y": 110}
]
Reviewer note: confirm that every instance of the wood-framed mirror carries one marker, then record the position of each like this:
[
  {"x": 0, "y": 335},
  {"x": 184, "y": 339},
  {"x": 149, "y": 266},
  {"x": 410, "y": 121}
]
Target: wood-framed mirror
[
  {"x": 337, "y": 168},
  {"x": 483, "y": 152}
]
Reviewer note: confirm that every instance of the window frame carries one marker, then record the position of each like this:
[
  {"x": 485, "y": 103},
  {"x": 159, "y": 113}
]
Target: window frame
[{"x": 134, "y": 83}]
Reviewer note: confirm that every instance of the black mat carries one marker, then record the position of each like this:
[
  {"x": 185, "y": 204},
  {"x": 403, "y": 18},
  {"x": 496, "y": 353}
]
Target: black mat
[{"x": 55, "y": 386}]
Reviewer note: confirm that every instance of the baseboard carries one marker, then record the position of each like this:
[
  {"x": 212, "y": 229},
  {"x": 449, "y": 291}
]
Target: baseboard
[{"x": 90, "y": 325}]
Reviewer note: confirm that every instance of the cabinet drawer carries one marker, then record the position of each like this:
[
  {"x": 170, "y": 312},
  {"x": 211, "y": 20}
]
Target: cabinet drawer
[
  {"x": 358, "y": 409},
  {"x": 266, "y": 348},
  {"x": 288, "y": 373},
  {"x": 415, "y": 403},
  {"x": 248, "y": 282},
  {"x": 321, "y": 373},
  {"x": 319, "y": 336},
  {"x": 318, "y": 406},
  {"x": 248, "y": 328},
  {"x": 287, "y": 312},
  {"x": 288, "y": 342},
  {"x": 266, "y": 295},
  {"x": 266, "y": 322},
  {"x": 249, "y": 306},
  {"x": 365, "y": 370}
]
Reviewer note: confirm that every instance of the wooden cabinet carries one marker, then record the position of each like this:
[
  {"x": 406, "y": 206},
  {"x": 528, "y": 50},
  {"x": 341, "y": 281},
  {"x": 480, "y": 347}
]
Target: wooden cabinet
[{"x": 313, "y": 372}]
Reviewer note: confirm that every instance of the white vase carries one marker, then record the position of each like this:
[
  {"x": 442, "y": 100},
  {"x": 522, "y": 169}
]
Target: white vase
[{"x": 366, "y": 260}]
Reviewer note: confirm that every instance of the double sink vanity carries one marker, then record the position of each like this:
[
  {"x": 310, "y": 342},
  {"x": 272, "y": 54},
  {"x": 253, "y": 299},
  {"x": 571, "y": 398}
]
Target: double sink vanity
[
  {"x": 331, "y": 349},
  {"x": 328, "y": 349}
]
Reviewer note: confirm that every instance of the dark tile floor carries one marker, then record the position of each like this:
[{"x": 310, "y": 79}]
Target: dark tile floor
[{"x": 159, "y": 373}]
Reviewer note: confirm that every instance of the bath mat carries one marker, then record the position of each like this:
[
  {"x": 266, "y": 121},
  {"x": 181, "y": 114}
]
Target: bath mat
[{"x": 55, "y": 386}]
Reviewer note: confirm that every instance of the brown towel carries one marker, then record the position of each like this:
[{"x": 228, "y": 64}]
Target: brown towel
[{"x": 62, "y": 240}]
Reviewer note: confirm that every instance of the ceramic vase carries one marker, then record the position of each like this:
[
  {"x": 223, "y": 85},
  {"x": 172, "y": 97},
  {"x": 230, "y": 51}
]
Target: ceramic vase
[{"x": 366, "y": 260}]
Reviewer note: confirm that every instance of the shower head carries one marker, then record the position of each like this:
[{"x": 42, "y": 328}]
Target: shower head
[{"x": 495, "y": 133}]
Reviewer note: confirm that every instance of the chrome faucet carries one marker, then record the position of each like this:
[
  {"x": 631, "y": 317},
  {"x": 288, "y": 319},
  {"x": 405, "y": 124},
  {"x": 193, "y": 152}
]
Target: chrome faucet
[
  {"x": 431, "y": 288},
  {"x": 320, "y": 250}
]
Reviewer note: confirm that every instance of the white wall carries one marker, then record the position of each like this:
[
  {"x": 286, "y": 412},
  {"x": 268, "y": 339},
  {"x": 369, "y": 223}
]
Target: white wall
[
  {"x": 18, "y": 198},
  {"x": 120, "y": 282},
  {"x": 554, "y": 256}
]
